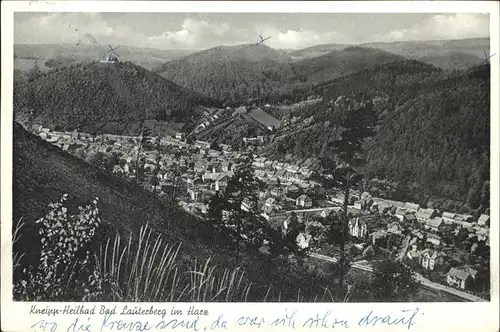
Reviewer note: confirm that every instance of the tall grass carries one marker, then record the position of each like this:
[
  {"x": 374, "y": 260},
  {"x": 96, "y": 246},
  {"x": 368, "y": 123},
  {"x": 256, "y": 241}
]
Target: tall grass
[
  {"x": 16, "y": 235},
  {"x": 136, "y": 268},
  {"x": 148, "y": 270}
]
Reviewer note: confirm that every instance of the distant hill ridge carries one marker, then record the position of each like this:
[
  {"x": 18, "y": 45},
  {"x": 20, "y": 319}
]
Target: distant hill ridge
[
  {"x": 112, "y": 98},
  {"x": 254, "y": 72},
  {"x": 344, "y": 62},
  {"x": 446, "y": 54},
  {"x": 247, "y": 52},
  {"x": 233, "y": 73}
]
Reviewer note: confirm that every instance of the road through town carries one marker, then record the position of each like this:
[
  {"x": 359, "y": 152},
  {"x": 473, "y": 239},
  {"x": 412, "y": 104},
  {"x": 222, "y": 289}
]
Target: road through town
[{"x": 364, "y": 265}]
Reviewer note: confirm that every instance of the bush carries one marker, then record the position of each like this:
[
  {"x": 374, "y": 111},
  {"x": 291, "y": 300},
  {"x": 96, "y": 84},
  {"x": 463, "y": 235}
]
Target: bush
[
  {"x": 77, "y": 264},
  {"x": 66, "y": 270}
]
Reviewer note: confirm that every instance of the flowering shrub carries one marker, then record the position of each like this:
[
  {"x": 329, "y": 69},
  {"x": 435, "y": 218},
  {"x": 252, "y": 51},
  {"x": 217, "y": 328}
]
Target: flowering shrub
[{"x": 67, "y": 269}]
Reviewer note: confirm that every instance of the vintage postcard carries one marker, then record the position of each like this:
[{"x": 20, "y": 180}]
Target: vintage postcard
[{"x": 211, "y": 166}]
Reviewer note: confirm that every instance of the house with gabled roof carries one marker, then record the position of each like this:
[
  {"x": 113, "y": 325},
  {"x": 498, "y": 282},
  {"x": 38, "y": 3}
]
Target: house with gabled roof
[
  {"x": 358, "y": 205},
  {"x": 292, "y": 169},
  {"x": 400, "y": 213},
  {"x": 395, "y": 228},
  {"x": 280, "y": 174},
  {"x": 413, "y": 253},
  {"x": 221, "y": 182},
  {"x": 304, "y": 201},
  {"x": 381, "y": 205},
  {"x": 434, "y": 239},
  {"x": 448, "y": 217},
  {"x": 410, "y": 217},
  {"x": 358, "y": 228},
  {"x": 430, "y": 259},
  {"x": 423, "y": 215},
  {"x": 483, "y": 220},
  {"x": 292, "y": 188},
  {"x": 411, "y": 207},
  {"x": 483, "y": 234},
  {"x": 202, "y": 145},
  {"x": 303, "y": 240},
  {"x": 461, "y": 277},
  {"x": 305, "y": 171},
  {"x": 434, "y": 224}
]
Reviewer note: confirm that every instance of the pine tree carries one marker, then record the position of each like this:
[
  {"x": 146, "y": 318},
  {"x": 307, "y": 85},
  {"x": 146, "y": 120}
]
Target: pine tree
[
  {"x": 243, "y": 188},
  {"x": 342, "y": 165},
  {"x": 174, "y": 175}
]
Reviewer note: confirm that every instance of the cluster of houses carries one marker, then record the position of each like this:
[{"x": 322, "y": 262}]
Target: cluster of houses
[
  {"x": 421, "y": 227},
  {"x": 84, "y": 144},
  {"x": 288, "y": 189},
  {"x": 209, "y": 119}
]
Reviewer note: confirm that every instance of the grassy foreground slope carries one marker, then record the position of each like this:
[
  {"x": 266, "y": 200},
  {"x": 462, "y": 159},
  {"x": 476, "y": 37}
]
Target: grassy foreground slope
[{"x": 42, "y": 174}]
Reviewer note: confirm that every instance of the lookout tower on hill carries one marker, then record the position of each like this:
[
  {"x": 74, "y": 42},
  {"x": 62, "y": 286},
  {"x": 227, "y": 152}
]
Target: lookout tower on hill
[{"x": 111, "y": 56}]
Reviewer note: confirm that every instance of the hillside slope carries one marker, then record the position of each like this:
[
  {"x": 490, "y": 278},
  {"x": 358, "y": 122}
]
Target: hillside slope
[
  {"x": 446, "y": 54},
  {"x": 250, "y": 72},
  {"x": 105, "y": 98},
  {"x": 233, "y": 73},
  {"x": 341, "y": 63},
  {"x": 433, "y": 129},
  {"x": 452, "y": 60},
  {"x": 316, "y": 50},
  {"x": 438, "y": 139},
  {"x": 42, "y": 173}
]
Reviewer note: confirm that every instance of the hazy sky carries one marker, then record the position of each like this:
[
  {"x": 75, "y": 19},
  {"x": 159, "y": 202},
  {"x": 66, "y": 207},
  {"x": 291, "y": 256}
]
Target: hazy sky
[{"x": 198, "y": 31}]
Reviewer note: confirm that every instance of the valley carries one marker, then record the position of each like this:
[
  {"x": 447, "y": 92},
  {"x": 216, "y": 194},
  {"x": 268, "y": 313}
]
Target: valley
[{"x": 234, "y": 151}]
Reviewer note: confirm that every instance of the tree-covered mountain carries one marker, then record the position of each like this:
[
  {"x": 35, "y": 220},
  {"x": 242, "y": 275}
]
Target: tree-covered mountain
[
  {"x": 415, "y": 49},
  {"x": 255, "y": 72},
  {"x": 433, "y": 128},
  {"x": 233, "y": 73},
  {"x": 445, "y": 54},
  {"x": 112, "y": 98},
  {"x": 316, "y": 50},
  {"x": 452, "y": 60},
  {"x": 341, "y": 63},
  {"x": 438, "y": 139}
]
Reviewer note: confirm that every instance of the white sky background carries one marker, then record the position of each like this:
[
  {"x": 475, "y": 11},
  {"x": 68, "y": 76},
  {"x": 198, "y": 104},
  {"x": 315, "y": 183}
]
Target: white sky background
[{"x": 205, "y": 30}]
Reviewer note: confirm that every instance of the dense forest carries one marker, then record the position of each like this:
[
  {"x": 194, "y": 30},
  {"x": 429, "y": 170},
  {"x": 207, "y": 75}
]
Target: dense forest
[
  {"x": 341, "y": 63},
  {"x": 233, "y": 74},
  {"x": 242, "y": 74},
  {"x": 89, "y": 96},
  {"x": 432, "y": 132},
  {"x": 439, "y": 139}
]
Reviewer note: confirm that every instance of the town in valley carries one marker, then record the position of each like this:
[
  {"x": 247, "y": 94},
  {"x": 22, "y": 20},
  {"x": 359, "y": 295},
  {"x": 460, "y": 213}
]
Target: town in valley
[{"x": 198, "y": 161}]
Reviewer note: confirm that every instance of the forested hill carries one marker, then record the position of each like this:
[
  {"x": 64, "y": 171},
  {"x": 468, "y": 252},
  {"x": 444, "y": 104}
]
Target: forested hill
[
  {"x": 235, "y": 73},
  {"x": 95, "y": 95},
  {"x": 316, "y": 50},
  {"x": 256, "y": 72},
  {"x": 344, "y": 62},
  {"x": 433, "y": 131},
  {"x": 439, "y": 139}
]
